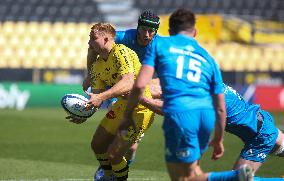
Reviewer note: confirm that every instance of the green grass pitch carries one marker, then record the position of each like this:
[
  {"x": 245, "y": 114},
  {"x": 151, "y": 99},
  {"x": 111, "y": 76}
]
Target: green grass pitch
[{"x": 39, "y": 144}]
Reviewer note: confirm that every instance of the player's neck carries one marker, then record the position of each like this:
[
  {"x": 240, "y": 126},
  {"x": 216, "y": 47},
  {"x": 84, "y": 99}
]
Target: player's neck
[
  {"x": 190, "y": 34},
  {"x": 105, "y": 52}
]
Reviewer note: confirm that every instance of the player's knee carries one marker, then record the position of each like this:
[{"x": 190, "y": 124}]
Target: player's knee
[
  {"x": 111, "y": 155},
  {"x": 195, "y": 171},
  {"x": 133, "y": 148},
  {"x": 96, "y": 145},
  {"x": 280, "y": 145},
  {"x": 114, "y": 156},
  {"x": 280, "y": 150}
]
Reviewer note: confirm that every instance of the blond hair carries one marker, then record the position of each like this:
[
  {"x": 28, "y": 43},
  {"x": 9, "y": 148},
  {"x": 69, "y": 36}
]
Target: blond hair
[{"x": 105, "y": 28}]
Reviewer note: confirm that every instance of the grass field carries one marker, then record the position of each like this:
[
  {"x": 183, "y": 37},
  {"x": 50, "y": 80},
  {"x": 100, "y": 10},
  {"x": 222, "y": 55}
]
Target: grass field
[{"x": 39, "y": 144}]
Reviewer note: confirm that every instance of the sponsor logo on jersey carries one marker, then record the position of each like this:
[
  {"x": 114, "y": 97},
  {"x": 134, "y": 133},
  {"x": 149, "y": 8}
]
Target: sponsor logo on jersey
[
  {"x": 111, "y": 115},
  {"x": 261, "y": 155},
  {"x": 249, "y": 152}
]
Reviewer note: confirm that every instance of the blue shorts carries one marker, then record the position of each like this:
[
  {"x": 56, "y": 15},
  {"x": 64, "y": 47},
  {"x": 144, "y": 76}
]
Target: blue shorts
[
  {"x": 187, "y": 134},
  {"x": 261, "y": 145}
]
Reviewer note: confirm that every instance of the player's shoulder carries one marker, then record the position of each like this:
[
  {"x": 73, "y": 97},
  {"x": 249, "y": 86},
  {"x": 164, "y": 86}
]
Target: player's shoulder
[
  {"x": 158, "y": 37},
  {"x": 121, "y": 49},
  {"x": 126, "y": 33}
]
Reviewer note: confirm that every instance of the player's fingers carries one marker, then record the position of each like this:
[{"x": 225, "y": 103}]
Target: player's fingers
[
  {"x": 88, "y": 106},
  {"x": 217, "y": 153},
  {"x": 216, "y": 156},
  {"x": 68, "y": 117}
]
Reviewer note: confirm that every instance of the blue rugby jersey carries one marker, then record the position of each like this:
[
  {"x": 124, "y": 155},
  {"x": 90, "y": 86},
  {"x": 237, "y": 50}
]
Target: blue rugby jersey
[
  {"x": 188, "y": 74},
  {"x": 241, "y": 116},
  {"x": 129, "y": 39}
]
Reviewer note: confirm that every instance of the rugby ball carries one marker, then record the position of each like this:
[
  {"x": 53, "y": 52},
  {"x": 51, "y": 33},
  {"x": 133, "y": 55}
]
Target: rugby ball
[{"x": 74, "y": 104}]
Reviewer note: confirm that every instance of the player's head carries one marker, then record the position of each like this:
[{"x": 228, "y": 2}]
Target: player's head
[
  {"x": 148, "y": 25},
  {"x": 101, "y": 35},
  {"x": 182, "y": 20}
]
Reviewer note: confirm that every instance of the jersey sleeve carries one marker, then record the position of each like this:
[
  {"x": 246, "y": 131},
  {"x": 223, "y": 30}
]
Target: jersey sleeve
[
  {"x": 218, "y": 87},
  {"x": 119, "y": 37},
  {"x": 124, "y": 58},
  {"x": 150, "y": 55}
]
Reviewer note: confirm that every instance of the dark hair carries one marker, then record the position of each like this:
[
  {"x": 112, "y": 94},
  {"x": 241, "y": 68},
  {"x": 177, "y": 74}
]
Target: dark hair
[
  {"x": 149, "y": 19},
  {"x": 181, "y": 20}
]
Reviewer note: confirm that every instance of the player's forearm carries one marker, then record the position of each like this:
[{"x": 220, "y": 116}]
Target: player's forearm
[
  {"x": 122, "y": 87},
  {"x": 156, "y": 105},
  {"x": 144, "y": 77},
  {"x": 133, "y": 100},
  {"x": 220, "y": 109}
]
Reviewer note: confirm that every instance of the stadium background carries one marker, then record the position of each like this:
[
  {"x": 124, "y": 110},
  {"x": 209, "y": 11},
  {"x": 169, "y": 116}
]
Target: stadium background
[{"x": 43, "y": 48}]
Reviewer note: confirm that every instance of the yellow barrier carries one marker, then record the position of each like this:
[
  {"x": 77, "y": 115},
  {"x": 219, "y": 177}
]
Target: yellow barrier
[{"x": 208, "y": 27}]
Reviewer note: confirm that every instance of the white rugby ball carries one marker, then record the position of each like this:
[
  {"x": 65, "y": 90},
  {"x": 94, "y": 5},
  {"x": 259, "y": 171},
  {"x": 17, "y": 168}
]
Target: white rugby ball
[{"x": 74, "y": 104}]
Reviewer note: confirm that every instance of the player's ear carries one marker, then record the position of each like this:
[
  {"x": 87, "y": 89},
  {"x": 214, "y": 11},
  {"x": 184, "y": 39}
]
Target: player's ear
[
  {"x": 106, "y": 39},
  {"x": 171, "y": 32},
  {"x": 194, "y": 32}
]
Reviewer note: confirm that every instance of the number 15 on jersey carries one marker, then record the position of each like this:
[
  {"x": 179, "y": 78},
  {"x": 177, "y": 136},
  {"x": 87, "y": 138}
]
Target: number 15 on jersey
[{"x": 194, "y": 70}]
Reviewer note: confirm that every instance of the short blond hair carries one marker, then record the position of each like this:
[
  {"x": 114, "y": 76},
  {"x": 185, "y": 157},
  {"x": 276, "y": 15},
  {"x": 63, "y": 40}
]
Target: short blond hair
[{"x": 105, "y": 28}]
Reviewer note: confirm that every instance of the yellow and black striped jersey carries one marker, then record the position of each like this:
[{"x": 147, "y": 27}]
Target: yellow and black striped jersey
[{"x": 121, "y": 60}]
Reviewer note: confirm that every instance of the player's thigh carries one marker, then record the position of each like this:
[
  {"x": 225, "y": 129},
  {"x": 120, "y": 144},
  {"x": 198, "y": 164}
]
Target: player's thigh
[
  {"x": 143, "y": 119},
  {"x": 113, "y": 118},
  {"x": 181, "y": 136},
  {"x": 258, "y": 147},
  {"x": 206, "y": 127},
  {"x": 101, "y": 140}
]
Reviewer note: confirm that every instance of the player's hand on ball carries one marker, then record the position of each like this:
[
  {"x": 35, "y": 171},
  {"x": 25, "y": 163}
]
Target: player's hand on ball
[
  {"x": 94, "y": 101},
  {"x": 75, "y": 119}
]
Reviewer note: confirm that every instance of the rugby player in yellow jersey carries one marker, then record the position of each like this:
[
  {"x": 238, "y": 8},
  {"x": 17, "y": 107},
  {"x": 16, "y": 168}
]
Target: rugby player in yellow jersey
[
  {"x": 138, "y": 40},
  {"x": 116, "y": 66}
]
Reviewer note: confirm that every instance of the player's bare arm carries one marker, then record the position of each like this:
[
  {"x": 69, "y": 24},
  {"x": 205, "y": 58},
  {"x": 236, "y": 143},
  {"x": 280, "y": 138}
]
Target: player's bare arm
[
  {"x": 217, "y": 141},
  {"x": 123, "y": 86},
  {"x": 155, "y": 105},
  {"x": 155, "y": 88}
]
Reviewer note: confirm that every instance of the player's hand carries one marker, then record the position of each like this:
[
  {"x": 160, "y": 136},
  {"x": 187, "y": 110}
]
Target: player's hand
[
  {"x": 218, "y": 149},
  {"x": 75, "y": 119},
  {"x": 94, "y": 101},
  {"x": 86, "y": 83},
  {"x": 126, "y": 95}
]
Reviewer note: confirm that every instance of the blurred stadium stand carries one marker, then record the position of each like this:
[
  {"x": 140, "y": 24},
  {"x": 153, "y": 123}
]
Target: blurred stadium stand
[
  {"x": 243, "y": 35},
  {"x": 264, "y": 9}
]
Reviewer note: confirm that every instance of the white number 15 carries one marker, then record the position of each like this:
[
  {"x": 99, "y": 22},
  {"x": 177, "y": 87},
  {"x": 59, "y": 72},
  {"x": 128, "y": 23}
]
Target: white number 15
[{"x": 194, "y": 69}]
